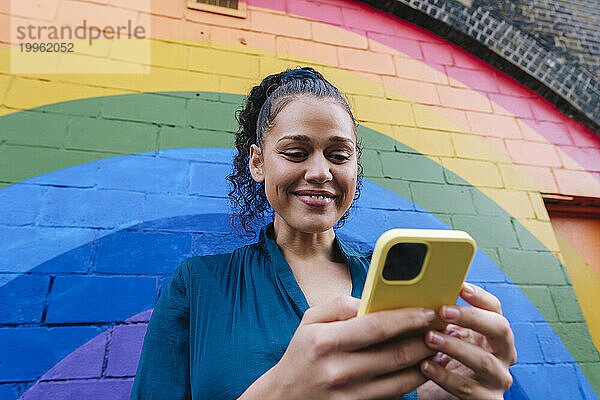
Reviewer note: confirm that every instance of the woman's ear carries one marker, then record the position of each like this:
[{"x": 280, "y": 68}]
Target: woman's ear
[{"x": 256, "y": 163}]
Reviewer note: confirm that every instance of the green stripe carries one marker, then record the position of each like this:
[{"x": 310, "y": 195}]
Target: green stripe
[{"x": 58, "y": 136}]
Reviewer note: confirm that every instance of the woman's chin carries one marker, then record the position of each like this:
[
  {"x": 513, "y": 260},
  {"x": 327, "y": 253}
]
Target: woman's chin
[
  {"x": 317, "y": 224},
  {"x": 311, "y": 224}
]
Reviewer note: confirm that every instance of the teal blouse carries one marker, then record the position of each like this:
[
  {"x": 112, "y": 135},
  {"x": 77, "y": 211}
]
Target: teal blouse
[{"x": 222, "y": 321}]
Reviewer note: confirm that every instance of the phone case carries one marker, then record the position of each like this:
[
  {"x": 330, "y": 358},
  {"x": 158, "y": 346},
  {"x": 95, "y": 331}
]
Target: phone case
[{"x": 445, "y": 265}]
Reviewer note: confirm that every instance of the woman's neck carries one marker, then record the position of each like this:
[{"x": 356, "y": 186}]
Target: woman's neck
[
  {"x": 317, "y": 264},
  {"x": 305, "y": 246}
]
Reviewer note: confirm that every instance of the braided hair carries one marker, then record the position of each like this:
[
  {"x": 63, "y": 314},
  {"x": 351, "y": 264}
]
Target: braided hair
[{"x": 247, "y": 197}]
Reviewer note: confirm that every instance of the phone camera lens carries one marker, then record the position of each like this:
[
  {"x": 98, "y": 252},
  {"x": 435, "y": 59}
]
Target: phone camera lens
[{"x": 404, "y": 261}]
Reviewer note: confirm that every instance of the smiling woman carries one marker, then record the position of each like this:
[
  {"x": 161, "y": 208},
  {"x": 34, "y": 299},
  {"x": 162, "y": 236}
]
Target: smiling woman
[
  {"x": 277, "y": 318},
  {"x": 323, "y": 114},
  {"x": 310, "y": 174}
]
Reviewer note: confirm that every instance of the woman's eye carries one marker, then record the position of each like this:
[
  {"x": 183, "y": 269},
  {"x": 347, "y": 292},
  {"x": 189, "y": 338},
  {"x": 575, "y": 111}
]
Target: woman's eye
[
  {"x": 340, "y": 157},
  {"x": 294, "y": 154},
  {"x": 301, "y": 155}
]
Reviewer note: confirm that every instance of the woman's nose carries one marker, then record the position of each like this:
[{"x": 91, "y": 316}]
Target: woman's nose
[{"x": 318, "y": 170}]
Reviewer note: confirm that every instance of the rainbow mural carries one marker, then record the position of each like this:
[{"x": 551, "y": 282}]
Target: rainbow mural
[{"x": 109, "y": 180}]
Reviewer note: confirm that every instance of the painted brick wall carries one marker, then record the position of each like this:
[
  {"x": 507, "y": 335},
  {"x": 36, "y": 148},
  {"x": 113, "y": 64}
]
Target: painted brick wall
[{"x": 108, "y": 181}]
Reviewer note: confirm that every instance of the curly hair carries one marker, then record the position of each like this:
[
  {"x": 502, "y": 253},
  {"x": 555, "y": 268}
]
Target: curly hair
[{"x": 247, "y": 197}]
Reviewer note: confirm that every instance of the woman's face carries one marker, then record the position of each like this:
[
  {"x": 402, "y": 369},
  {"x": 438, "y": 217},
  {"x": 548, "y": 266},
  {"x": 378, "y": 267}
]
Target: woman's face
[{"x": 308, "y": 163}]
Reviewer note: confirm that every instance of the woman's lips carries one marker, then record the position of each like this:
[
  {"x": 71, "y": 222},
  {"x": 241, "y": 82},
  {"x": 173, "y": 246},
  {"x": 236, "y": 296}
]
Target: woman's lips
[{"x": 315, "y": 199}]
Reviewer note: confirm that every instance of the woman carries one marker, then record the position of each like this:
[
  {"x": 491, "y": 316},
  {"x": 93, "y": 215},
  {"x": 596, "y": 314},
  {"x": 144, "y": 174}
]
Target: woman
[{"x": 276, "y": 319}]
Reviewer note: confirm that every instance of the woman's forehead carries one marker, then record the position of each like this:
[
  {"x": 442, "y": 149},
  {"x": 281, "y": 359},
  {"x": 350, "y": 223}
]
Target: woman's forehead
[{"x": 311, "y": 118}]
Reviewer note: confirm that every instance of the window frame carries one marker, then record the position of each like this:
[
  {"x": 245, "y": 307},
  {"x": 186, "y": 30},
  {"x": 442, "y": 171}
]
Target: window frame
[
  {"x": 572, "y": 206},
  {"x": 240, "y": 12}
]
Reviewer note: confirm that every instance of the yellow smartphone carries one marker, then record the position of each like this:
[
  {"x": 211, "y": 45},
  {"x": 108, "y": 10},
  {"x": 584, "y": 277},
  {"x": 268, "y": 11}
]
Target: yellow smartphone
[{"x": 417, "y": 268}]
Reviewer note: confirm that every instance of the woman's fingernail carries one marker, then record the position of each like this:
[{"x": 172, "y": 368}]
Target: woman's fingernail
[
  {"x": 426, "y": 366},
  {"x": 435, "y": 337},
  {"x": 455, "y": 334},
  {"x": 449, "y": 313},
  {"x": 437, "y": 358},
  {"x": 444, "y": 360},
  {"x": 429, "y": 315},
  {"x": 468, "y": 290}
]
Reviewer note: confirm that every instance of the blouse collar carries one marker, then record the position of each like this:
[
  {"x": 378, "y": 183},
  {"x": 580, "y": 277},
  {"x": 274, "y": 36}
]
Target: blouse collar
[{"x": 357, "y": 268}]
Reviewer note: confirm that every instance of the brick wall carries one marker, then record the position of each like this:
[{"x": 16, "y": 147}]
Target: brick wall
[
  {"x": 568, "y": 25},
  {"x": 109, "y": 180}
]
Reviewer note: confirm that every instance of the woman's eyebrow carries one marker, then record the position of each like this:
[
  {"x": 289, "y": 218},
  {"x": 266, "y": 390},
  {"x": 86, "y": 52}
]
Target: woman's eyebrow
[
  {"x": 304, "y": 138},
  {"x": 300, "y": 138},
  {"x": 340, "y": 139}
]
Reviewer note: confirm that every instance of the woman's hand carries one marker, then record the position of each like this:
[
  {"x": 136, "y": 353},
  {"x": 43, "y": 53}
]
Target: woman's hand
[
  {"x": 334, "y": 355},
  {"x": 474, "y": 352}
]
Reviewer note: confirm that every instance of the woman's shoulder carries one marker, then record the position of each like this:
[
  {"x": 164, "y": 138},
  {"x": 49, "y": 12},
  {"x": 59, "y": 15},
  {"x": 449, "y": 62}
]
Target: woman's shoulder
[
  {"x": 212, "y": 272},
  {"x": 222, "y": 263},
  {"x": 354, "y": 249}
]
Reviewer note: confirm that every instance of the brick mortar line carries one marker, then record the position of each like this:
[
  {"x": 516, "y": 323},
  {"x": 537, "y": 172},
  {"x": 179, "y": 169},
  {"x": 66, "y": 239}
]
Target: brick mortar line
[
  {"x": 107, "y": 346},
  {"x": 108, "y": 324},
  {"x": 92, "y": 274},
  {"x": 89, "y": 379},
  {"x": 46, "y": 302}
]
